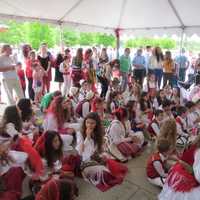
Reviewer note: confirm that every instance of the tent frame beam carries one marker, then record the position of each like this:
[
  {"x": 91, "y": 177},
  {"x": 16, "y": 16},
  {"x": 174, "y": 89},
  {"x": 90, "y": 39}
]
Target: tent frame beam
[
  {"x": 121, "y": 12},
  {"x": 176, "y": 13},
  {"x": 56, "y": 22},
  {"x": 70, "y": 10}
]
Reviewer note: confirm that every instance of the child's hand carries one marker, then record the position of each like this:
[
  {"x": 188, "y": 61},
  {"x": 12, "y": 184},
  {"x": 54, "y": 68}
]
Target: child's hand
[
  {"x": 135, "y": 139},
  {"x": 89, "y": 132},
  {"x": 82, "y": 147}
]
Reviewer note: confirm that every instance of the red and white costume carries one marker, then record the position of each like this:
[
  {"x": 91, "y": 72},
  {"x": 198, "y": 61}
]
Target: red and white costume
[
  {"x": 181, "y": 130},
  {"x": 155, "y": 170},
  {"x": 121, "y": 138},
  {"x": 50, "y": 123},
  {"x": 180, "y": 184},
  {"x": 154, "y": 128},
  {"x": 100, "y": 175}
]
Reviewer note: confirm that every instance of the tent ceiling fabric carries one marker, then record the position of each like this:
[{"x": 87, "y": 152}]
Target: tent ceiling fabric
[{"x": 137, "y": 17}]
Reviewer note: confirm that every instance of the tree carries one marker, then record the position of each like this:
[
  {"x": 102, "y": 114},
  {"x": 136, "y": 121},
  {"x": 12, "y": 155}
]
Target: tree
[
  {"x": 105, "y": 40},
  {"x": 86, "y": 39},
  {"x": 14, "y": 35},
  {"x": 165, "y": 43},
  {"x": 70, "y": 37},
  {"x": 36, "y": 33}
]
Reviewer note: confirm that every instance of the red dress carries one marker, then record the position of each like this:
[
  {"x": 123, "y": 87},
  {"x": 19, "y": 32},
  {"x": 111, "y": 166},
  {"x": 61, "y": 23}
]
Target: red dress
[
  {"x": 21, "y": 75},
  {"x": 13, "y": 183}
]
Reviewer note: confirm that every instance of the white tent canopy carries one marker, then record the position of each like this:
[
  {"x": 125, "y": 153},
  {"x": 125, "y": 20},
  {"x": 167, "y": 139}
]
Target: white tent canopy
[{"x": 137, "y": 17}]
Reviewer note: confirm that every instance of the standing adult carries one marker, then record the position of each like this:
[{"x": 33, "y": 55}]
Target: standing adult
[
  {"x": 125, "y": 66},
  {"x": 58, "y": 74},
  {"x": 156, "y": 64},
  {"x": 45, "y": 59},
  {"x": 169, "y": 69},
  {"x": 147, "y": 56},
  {"x": 103, "y": 59},
  {"x": 10, "y": 78},
  {"x": 29, "y": 62},
  {"x": 182, "y": 63},
  {"x": 139, "y": 67},
  {"x": 77, "y": 63},
  {"x": 89, "y": 69}
]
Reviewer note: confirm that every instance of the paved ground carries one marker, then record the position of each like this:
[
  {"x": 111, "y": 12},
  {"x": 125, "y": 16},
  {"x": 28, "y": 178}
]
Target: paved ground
[{"x": 135, "y": 186}]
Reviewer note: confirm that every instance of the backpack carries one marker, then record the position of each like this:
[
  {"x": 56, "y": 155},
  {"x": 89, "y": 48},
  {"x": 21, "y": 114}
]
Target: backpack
[{"x": 79, "y": 108}]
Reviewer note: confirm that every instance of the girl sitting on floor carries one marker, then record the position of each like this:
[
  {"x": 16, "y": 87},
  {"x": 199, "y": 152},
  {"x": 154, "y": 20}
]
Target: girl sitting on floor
[
  {"x": 29, "y": 126},
  {"x": 56, "y": 119},
  {"x": 101, "y": 172},
  {"x": 12, "y": 164},
  {"x": 156, "y": 170},
  {"x": 11, "y": 126},
  {"x": 183, "y": 181},
  {"x": 55, "y": 166},
  {"x": 120, "y": 134}
]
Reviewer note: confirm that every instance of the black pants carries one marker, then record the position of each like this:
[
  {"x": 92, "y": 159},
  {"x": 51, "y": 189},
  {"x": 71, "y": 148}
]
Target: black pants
[
  {"x": 104, "y": 89},
  {"x": 30, "y": 89},
  {"x": 168, "y": 77},
  {"x": 139, "y": 75}
]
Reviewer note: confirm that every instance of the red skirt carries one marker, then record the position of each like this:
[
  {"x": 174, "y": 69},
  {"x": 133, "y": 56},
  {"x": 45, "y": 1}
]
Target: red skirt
[
  {"x": 13, "y": 183},
  {"x": 180, "y": 179},
  {"x": 128, "y": 149},
  {"x": 114, "y": 177}
]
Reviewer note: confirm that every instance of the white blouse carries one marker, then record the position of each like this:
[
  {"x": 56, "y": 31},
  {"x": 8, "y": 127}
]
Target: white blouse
[
  {"x": 10, "y": 130},
  {"x": 47, "y": 172},
  {"x": 117, "y": 133},
  {"x": 88, "y": 149},
  {"x": 85, "y": 109}
]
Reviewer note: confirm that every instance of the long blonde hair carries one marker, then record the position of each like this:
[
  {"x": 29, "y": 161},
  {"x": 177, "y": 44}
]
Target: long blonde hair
[{"x": 168, "y": 131}]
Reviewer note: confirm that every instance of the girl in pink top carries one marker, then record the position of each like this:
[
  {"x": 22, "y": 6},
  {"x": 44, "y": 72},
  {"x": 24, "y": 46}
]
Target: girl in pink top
[{"x": 38, "y": 74}]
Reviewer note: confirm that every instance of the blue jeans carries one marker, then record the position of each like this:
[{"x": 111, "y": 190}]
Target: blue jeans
[
  {"x": 182, "y": 74},
  {"x": 159, "y": 75},
  {"x": 124, "y": 81}
]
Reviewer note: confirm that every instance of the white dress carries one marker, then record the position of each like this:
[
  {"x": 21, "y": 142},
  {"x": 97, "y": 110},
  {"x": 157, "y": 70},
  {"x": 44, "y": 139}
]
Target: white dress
[{"x": 169, "y": 194}]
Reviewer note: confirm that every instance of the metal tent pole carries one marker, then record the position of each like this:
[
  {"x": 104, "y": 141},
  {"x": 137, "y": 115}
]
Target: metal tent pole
[
  {"x": 117, "y": 34},
  {"x": 61, "y": 38},
  {"x": 182, "y": 40}
]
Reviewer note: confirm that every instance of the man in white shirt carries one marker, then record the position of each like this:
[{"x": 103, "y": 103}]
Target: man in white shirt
[{"x": 9, "y": 75}]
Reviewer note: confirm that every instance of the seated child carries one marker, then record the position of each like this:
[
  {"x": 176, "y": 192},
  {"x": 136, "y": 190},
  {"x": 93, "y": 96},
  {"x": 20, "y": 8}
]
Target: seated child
[
  {"x": 154, "y": 126},
  {"x": 156, "y": 172},
  {"x": 182, "y": 133},
  {"x": 47, "y": 99}
]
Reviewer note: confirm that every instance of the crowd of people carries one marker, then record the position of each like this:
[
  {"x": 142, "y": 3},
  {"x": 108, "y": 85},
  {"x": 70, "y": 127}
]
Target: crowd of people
[{"x": 102, "y": 115}]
